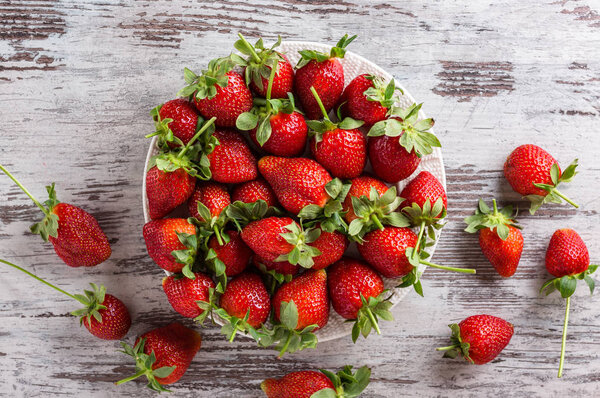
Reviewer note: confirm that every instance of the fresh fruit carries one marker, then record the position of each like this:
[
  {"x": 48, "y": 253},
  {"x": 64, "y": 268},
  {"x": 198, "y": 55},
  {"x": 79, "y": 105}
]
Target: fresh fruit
[
  {"x": 176, "y": 123},
  {"x": 231, "y": 161},
  {"x": 361, "y": 186},
  {"x": 233, "y": 254},
  {"x": 218, "y": 92},
  {"x": 368, "y": 98},
  {"x": 325, "y": 73},
  {"x": 397, "y": 144},
  {"x": 103, "y": 315},
  {"x": 331, "y": 245},
  {"x": 339, "y": 147},
  {"x": 535, "y": 174},
  {"x": 163, "y": 355},
  {"x": 357, "y": 293},
  {"x": 385, "y": 250},
  {"x": 75, "y": 234},
  {"x": 422, "y": 189},
  {"x": 479, "y": 338},
  {"x": 185, "y": 293},
  {"x": 172, "y": 244},
  {"x": 308, "y": 383},
  {"x": 212, "y": 195},
  {"x": 568, "y": 260},
  {"x": 499, "y": 236},
  {"x": 297, "y": 182},
  {"x": 252, "y": 191}
]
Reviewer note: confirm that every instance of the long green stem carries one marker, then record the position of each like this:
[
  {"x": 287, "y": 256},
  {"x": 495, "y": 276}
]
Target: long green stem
[
  {"x": 218, "y": 235},
  {"x": 462, "y": 270},
  {"x": 135, "y": 376},
  {"x": 377, "y": 222},
  {"x": 569, "y": 201},
  {"x": 374, "y": 322},
  {"x": 286, "y": 345},
  {"x": 564, "y": 339},
  {"x": 232, "y": 337},
  {"x": 270, "y": 85},
  {"x": 195, "y": 137},
  {"x": 415, "y": 252},
  {"x": 316, "y": 95},
  {"x": 448, "y": 348},
  {"x": 250, "y": 48},
  {"x": 24, "y": 189},
  {"x": 495, "y": 207}
]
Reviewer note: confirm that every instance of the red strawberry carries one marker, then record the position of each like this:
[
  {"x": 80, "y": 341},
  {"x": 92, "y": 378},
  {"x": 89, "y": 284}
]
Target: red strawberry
[
  {"x": 104, "y": 315},
  {"x": 251, "y": 191},
  {"x": 175, "y": 122},
  {"x": 325, "y": 73},
  {"x": 332, "y": 246},
  {"x": 234, "y": 254},
  {"x": 297, "y": 182},
  {"x": 479, "y": 338},
  {"x": 218, "y": 92},
  {"x": 361, "y": 186},
  {"x": 534, "y": 173},
  {"x": 231, "y": 161},
  {"x": 499, "y": 237},
  {"x": 75, "y": 234},
  {"x": 163, "y": 237},
  {"x": 422, "y": 189},
  {"x": 281, "y": 267},
  {"x": 368, "y": 98},
  {"x": 212, "y": 195},
  {"x": 288, "y": 134},
  {"x": 163, "y": 354},
  {"x": 167, "y": 190},
  {"x": 390, "y": 160},
  {"x": 307, "y": 383},
  {"x": 385, "y": 250},
  {"x": 184, "y": 293}
]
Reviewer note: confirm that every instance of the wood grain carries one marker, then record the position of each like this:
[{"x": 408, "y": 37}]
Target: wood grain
[{"x": 78, "y": 78}]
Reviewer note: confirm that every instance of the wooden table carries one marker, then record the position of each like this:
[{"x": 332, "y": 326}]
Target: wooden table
[{"x": 78, "y": 78}]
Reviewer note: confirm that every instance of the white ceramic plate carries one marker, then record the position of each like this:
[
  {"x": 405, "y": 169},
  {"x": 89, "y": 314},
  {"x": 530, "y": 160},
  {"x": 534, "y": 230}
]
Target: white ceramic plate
[{"x": 354, "y": 65}]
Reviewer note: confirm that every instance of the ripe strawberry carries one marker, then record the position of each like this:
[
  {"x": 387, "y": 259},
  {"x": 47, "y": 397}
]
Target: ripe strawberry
[
  {"x": 218, "y": 92},
  {"x": 234, "y": 254},
  {"x": 75, "y": 234},
  {"x": 257, "y": 68},
  {"x": 212, "y": 195},
  {"x": 297, "y": 182},
  {"x": 385, "y": 250},
  {"x": 308, "y": 383},
  {"x": 331, "y": 245},
  {"x": 172, "y": 244},
  {"x": 104, "y": 315},
  {"x": 231, "y": 161},
  {"x": 568, "y": 260},
  {"x": 397, "y": 144},
  {"x": 479, "y": 338},
  {"x": 425, "y": 199},
  {"x": 499, "y": 237},
  {"x": 184, "y": 293},
  {"x": 251, "y": 191},
  {"x": 368, "y": 98},
  {"x": 176, "y": 122},
  {"x": 361, "y": 186},
  {"x": 535, "y": 174},
  {"x": 163, "y": 355},
  {"x": 325, "y": 73}
]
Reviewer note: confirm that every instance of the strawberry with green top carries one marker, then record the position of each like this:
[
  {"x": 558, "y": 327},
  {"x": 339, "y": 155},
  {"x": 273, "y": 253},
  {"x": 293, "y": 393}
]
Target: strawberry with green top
[
  {"x": 251, "y": 191},
  {"x": 184, "y": 294},
  {"x": 75, "y": 234},
  {"x": 368, "y": 98},
  {"x": 499, "y": 236},
  {"x": 361, "y": 186},
  {"x": 212, "y": 195},
  {"x": 231, "y": 161},
  {"x": 103, "y": 315},
  {"x": 325, "y": 73},
  {"x": 176, "y": 123},
  {"x": 397, "y": 144},
  {"x": 218, "y": 92},
  {"x": 172, "y": 244},
  {"x": 535, "y": 174},
  {"x": 568, "y": 260},
  {"x": 232, "y": 254}
]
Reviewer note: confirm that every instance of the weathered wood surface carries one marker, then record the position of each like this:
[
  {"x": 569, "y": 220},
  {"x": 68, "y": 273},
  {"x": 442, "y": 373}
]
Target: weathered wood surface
[{"x": 77, "y": 79}]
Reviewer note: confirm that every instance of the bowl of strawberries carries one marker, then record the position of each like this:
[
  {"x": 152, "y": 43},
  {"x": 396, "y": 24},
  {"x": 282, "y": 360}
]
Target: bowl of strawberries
[{"x": 292, "y": 193}]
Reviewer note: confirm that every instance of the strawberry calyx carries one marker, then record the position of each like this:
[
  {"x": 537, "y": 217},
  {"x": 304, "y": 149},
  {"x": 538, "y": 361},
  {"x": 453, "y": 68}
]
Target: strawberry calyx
[
  {"x": 163, "y": 131},
  {"x": 302, "y": 254},
  {"x": 232, "y": 325},
  {"x": 554, "y": 195},
  {"x": 209, "y": 307},
  {"x": 203, "y": 86},
  {"x": 187, "y": 256},
  {"x": 92, "y": 300},
  {"x": 319, "y": 127},
  {"x": 336, "y": 52},
  {"x": 499, "y": 220},
  {"x": 382, "y": 93},
  {"x": 347, "y": 384},
  {"x": 567, "y": 284},
  {"x": 426, "y": 216},
  {"x": 48, "y": 226},
  {"x": 329, "y": 218},
  {"x": 458, "y": 346},
  {"x": 241, "y": 213},
  {"x": 143, "y": 366},
  {"x": 260, "y": 60},
  {"x": 414, "y": 134},
  {"x": 273, "y": 278},
  {"x": 368, "y": 315}
]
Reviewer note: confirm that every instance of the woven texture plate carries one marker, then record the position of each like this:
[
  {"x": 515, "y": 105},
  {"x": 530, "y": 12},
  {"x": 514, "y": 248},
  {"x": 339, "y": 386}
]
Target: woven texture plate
[{"x": 354, "y": 65}]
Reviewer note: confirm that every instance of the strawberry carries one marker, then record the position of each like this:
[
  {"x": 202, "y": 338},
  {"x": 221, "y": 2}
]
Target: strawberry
[
  {"x": 368, "y": 98},
  {"x": 425, "y": 200},
  {"x": 233, "y": 254},
  {"x": 163, "y": 355},
  {"x": 397, "y": 144},
  {"x": 176, "y": 122},
  {"x": 385, "y": 250},
  {"x": 252, "y": 191},
  {"x": 185, "y": 293},
  {"x": 212, "y": 195},
  {"x": 361, "y": 186},
  {"x": 258, "y": 67},
  {"x": 535, "y": 174},
  {"x": 308, "y": 383},
  {"x": 75, "y": 234},
  {"x": 218, "y": 92},
  {"x": 103, "y": 315},
  {"x": 340, "y": 147},
  {"x": 357, "y": 293},
  {"x": 325, "y": 73},
  {"x": 479, "y": 338},
  {"x": 499, "y": 237},
  {"x": 231, "y": 161},
  {"x": 172, "y": 244},
  {"x": 568, "y": 260},
  {"x": 297, "y": 182},
  {"x": 331, "y": 245}
]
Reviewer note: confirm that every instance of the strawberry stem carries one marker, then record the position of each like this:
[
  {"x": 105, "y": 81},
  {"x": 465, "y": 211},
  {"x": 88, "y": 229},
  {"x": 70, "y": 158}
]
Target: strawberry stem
[
  {"x": 318, "y": 99},
  {"x": 232, "y": 337},
  {"x": 218, "y": 235},
  {"x": 286, "y": 345},
  {"x": 132, "y": 377},
  {"x": 270, "y": 85},
  {"x": 462, "y": 270},
  {"x": 41, "y": 206},
  {"x": 195, "y": 137},
  {"x": 250, "y": 48},
  {"x": 448, "y": 348},
  {"x": 564, "y": 339},
  {"x": 495, "y": 207},
  {"x": 569, "y": 201},
  {"x": 373, "y": 321},
  {"x": 421, "y": 231},
  {"x": 376, "y": 221}
]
